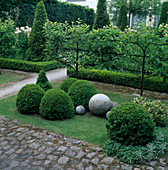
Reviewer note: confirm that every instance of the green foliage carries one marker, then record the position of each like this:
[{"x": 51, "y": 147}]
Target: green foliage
[
  {"x": 102, "y": 17},
  {"x": 67, "y": 43},
  {"x": 135, "y": 7},
  {"x": 56, "y": 104},
  {"x": 81, "y": 91},
  {"x": 130, "y": 124},
  {"x": 7, "y": 39},
  {"x": 67, "y": 84},
  {"x": 125, "y": 79},
  {"x": 55, "y": 35},
  {"x": 22, "y": 12},
  {"x": 36, "y": 42},
  {"x": 22, "y": 42},
  {"x": 140, "y": 48},
  {"x": 43, "y": 82},
  {"x": 157, "y": 109},
  {"x": 102, "y": 44},
  {"x": 138, "y": 154},
  {"x": 29, "y": 98},
  {"x": 122, "y": 18},
  {"x": 28, "y": 65},
  {"x": 164, "y": 14},
  {"x": 61, "y": 12}
]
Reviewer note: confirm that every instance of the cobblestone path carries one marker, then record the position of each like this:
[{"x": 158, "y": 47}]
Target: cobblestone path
[{"x": 25, "y": 147}]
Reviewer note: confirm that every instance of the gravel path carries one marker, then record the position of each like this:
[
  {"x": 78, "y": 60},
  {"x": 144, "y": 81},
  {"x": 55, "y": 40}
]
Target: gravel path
[
  {"x": 24, "y": 147},
  {"x": 58, "y": 74}
]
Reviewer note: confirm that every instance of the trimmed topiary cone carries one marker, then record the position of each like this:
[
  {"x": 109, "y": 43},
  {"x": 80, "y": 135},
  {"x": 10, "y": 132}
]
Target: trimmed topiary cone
[
  {"x": 37, "y": 40},
  {"x": 122, "y": 21},
  {"x": 102, "y": 17},
  {"x": 164, "y": 14},
  {"x": 43, "y": 82}
]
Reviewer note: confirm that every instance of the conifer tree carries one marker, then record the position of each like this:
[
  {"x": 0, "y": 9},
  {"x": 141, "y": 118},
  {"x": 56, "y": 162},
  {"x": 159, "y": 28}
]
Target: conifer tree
[
  {"x": 164, "y": 14},
  {"x": 122, "y": 21},
  {"x": 36, "y": 42},
  {"x": 102, "y": 17},
  {"x": 43, "y": 82}
]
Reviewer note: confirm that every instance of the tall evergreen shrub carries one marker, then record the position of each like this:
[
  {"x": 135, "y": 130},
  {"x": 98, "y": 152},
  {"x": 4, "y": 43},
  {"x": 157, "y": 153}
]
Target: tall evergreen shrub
[
  {"x": 102, "y": 17},
  {"x": 164, "y": 14},
  {"x": 122, "y": 21},
  {"x": 36, "y": 42}
]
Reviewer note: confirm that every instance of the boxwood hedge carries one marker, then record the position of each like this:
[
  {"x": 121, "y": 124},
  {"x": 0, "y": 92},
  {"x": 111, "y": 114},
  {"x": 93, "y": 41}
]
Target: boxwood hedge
[
  {"x": 28, "y": 65},
  {"x": 124, "y": 79}
]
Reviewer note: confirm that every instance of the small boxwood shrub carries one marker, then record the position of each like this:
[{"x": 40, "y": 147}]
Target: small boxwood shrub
[
  {"x": 67, "y": 84},
  {"x": 56, "y": 104},
  {"x": 29, "y": 98},
  {"x": 29, "y": 66},
  {"x": 81, "y": 91},
  {"x": 43, "y": 82},
  {"x": 124, "y": 79},
  {"x": 157, "y": 109},
  {"x": 130, "y": 124}
]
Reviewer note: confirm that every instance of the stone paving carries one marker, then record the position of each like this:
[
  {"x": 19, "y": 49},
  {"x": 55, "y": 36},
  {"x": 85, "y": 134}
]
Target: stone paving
[{"x": 24, "y": 147}]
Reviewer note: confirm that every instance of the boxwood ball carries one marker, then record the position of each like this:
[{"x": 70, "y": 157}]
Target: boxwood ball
[{"x": 99, "y": 104}]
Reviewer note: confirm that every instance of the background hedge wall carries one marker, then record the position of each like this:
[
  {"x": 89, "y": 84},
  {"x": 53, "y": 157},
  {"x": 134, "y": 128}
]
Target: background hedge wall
[
  {"x": 28, "y": 65},
  {"x": 22, "y": 11},
  {"x": 125, "y": 79}
]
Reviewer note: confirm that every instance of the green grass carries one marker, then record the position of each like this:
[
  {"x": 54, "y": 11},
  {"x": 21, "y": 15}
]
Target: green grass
[
  {"x": 88, "y": 128},
  {"x": 6, "y": 77}
]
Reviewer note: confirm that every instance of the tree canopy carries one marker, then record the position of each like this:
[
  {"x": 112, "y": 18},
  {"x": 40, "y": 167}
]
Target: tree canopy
[{"x": 136, "y": 7}]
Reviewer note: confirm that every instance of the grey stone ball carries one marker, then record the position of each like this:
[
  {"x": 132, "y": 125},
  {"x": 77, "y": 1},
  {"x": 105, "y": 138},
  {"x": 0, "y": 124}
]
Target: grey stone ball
[
  {"x": 107, "y": 114},
  {"x": 113, "y": 104},
  {"x": 99, "y": 105},
  {"x": 80, "y": 110}
]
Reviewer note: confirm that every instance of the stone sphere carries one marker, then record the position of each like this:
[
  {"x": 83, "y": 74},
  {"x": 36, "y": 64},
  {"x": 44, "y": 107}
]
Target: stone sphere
[
  {"x": 113, "y": 104},
  {"x": 107, "y": 114},
  {"x": 80, "y": 110},
  {"x": 100, "y": 104}
]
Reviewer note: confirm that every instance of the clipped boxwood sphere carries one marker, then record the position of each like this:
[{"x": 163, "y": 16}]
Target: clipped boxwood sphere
[
  {"x": 67, "y": 84},
  {"x": 130, "y": 124},
  {"x": 81, "y": 91},
  {"x": 29, "y": 98},
  {"x": 56, "y": 104}
]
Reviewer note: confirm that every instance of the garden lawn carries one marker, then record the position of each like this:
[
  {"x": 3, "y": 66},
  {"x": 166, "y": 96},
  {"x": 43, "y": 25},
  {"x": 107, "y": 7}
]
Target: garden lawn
[
  {"x": 88, "y": 128},
  {"x": 6, "y": 77}
]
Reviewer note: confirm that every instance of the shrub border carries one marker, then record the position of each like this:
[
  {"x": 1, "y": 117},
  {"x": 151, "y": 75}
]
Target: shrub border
[
  {"x": 124, "y": 79},
  {"x": 29, "y": 66}
]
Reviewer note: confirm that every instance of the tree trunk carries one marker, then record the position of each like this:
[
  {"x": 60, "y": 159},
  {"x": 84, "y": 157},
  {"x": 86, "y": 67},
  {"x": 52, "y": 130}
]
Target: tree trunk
[
  {"x": 143, "y": 73},
  {"x": 77, "y": 58}
]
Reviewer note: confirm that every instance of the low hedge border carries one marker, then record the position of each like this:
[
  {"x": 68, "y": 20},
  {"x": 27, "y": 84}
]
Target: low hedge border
[
  {"x": 124, "y": 79},
  {"x": 29, "y": 66}
]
